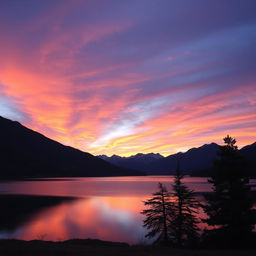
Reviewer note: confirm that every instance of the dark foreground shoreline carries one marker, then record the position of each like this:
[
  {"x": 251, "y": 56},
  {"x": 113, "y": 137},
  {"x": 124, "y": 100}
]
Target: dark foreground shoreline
[{"x": 79, "y": 247}]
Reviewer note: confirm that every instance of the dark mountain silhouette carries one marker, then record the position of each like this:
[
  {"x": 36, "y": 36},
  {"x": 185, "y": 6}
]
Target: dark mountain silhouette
[
  {"x": 137, "y": 162},
  {"x": 26, "y": 153},
  {"x": 193, "y": 160},
  {"x": 249, "y": 153},
  {"x": 196, "y": 161}
]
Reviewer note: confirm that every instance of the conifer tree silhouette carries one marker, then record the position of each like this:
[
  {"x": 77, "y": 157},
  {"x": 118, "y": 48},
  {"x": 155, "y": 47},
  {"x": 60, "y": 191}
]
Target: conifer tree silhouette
[
  {"x": 229, "y": 207},
  {"x": 184, "y": 225},
  {"x": 158, "y": 215}
]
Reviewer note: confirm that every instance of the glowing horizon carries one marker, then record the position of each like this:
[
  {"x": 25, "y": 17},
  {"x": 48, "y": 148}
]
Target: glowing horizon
[{"x": 123, "y": 77}]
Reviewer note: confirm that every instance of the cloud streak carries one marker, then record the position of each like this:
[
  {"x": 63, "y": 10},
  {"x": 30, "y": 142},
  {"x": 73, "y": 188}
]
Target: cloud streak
[{"x": 130, "y": 76}]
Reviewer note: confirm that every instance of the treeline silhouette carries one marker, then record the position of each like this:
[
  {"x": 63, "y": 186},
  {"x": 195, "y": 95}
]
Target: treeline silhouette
[{"x": 172, "y": 218}]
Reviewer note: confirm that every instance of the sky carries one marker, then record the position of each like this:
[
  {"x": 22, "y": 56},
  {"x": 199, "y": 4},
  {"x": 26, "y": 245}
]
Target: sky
[{"x": 128, "y": 76}]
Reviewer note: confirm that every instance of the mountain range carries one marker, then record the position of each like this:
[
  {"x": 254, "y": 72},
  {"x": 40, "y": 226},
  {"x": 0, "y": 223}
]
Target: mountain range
[
  {"x": 196, "y": 161},
  {"x": 137, "y": 162},
  {"x": 25, "y": 153}
]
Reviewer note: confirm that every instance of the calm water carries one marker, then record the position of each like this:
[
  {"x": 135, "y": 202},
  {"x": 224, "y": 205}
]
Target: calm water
[{"x": 102, "y": 208}]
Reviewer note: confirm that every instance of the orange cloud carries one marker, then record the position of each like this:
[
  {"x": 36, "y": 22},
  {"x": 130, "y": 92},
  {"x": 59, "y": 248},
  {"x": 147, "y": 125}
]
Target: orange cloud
[{"x": 113, "y": 85}]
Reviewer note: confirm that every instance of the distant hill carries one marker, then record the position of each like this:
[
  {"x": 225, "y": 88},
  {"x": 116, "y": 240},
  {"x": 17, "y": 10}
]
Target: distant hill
[
  {"x": 195, "y": 162},
  {"x": 137, "y": 162},
  {"x": 194, "y": 159},
  {"x": 26, "y": 153},
  {"x": 249, "y": 152}
]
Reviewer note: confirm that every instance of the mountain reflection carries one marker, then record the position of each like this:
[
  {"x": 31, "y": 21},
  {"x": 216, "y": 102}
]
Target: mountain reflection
[
  {"x": 16, "y": 210},
  {"x": 107, "y": 218}
]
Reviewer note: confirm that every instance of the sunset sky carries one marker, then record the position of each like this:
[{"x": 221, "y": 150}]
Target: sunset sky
[{"x": 125, "y": 76}]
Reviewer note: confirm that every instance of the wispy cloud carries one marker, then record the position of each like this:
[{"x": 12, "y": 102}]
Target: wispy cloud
[{"x": 130, "y": 76}]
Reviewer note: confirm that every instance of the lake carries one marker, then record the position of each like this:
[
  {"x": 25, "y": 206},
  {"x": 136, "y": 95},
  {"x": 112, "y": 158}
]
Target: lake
[{"x": 65, "y": 208}]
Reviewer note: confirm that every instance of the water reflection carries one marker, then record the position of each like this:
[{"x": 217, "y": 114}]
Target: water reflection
[
  {"x": 110, "y": 186},
  {"x": 104, "y": 208},
  {"x": 107, "y": 218},
  {"x": 16, "y": 210},
  {"x": 103, "y": 218}
]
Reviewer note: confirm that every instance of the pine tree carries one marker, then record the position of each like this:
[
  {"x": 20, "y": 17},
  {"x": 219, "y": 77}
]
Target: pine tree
[
  {"x": 229, "y": 207},
  {"x": 184, "y": 225},
  {"x": 158, "y": 215}
]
